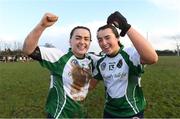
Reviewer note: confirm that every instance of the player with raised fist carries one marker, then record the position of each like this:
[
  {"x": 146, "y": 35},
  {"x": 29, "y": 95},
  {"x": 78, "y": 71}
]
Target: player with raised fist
[{"x": 70, "y": 72}]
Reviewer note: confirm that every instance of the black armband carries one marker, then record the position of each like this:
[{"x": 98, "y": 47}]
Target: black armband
[{"x": 36, "y": 54}]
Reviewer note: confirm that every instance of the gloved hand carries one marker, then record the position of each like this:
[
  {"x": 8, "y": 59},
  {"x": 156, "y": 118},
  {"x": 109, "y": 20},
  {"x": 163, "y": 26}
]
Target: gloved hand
[{"x": 119, "y": 21}]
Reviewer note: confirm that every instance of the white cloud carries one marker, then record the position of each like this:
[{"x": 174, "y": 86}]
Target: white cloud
[
  {"x": 163, "y": 38},
  {"x": 59, "y": 36}
]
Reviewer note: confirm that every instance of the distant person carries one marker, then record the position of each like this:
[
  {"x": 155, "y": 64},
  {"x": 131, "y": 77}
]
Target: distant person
[
  {"x": 70, "y": 72},
  {"x": 121, "y": 68}
]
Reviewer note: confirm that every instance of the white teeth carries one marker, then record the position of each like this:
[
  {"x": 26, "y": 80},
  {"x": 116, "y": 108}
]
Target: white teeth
[
  {"x": 106, "y": 47},
  {"x": 81, "y": 47}
]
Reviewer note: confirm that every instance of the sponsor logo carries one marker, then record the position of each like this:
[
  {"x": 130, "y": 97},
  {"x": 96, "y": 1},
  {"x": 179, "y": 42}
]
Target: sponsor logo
[
  {"x": 120, "y": 76},
  {"x": 103, "y": 66},
  {"x": 74, "y": 62}
]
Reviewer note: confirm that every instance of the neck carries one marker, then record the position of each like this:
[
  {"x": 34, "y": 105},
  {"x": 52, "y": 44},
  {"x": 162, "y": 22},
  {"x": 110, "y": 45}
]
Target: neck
[
  {"x": 114, "y": 53},
  {"x": 79, "y": 56}
]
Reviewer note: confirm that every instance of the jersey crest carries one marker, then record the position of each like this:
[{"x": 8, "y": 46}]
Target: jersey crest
[
  {"x": 120, "y": 63},
  {"x": 103, "y": 66}
]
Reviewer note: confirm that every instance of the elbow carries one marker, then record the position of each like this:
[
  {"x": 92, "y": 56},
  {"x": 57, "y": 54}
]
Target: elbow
[
  {"x": 150, "y": 60},
  {"x": 156, "y": 60},
  {"x": 153, "y": 59}
]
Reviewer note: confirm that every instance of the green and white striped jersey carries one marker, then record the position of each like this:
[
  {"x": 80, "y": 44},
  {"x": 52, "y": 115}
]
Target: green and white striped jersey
[
  {"x": 64, "y": 99},
  {"x": 121, "y": 75}
]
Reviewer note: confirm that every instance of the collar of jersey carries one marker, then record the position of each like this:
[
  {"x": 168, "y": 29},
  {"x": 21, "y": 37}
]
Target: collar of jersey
[
  {"x": 120, "y": 49},
  {"x": 70, "y": 51}
]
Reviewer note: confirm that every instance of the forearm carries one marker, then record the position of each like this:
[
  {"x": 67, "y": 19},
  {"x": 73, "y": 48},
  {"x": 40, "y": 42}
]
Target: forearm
[
  {"x": 32, "y": 39},
  {"x": 147, "y": 52}
]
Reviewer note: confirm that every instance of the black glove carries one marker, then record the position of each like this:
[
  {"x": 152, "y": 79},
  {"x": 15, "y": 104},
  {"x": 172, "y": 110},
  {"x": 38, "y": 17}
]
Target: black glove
[{"x": 119, "y": 21}]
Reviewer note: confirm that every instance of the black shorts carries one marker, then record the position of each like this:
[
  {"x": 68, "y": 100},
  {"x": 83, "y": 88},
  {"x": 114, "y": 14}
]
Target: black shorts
[{"x": 49, "y": 116}]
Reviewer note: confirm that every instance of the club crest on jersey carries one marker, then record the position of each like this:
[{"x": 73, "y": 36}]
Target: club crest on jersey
[
  {"x": 119, "y": 64},
  {"x": 74, "y": 62},
  {"x": 103, "y": 66}
]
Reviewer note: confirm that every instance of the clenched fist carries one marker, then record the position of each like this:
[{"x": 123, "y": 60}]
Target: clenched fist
[
  {"x": 119, "y": 21},
  {"x": 48, "y": 20}
]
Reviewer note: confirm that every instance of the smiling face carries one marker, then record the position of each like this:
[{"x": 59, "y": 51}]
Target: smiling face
[
  {"x": 108, "y": 41},
  {"x": 80, "y": 42}
]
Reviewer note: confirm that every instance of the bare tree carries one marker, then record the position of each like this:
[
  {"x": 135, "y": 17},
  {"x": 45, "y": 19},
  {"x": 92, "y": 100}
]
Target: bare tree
[
  {"x": 177, "y": 45},
  {"x": 17, "y": 45}
]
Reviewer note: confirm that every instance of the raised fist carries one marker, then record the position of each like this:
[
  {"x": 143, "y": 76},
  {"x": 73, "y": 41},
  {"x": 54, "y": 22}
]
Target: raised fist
[
  {"x": 48, "y": 20},
  {"x": 119, "y": 21}
]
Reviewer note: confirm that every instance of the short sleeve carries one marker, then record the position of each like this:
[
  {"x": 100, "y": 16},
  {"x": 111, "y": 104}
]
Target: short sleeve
[{"x": 50, "y": 57}]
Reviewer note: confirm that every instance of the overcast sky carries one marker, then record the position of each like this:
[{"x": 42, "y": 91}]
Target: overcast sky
[{"x": 158, "y": 20}]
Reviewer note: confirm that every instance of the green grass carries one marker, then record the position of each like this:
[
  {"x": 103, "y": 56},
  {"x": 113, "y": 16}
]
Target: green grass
[
  {"x": 24, "y": 88},
  {"x": 161, "y": 85}
]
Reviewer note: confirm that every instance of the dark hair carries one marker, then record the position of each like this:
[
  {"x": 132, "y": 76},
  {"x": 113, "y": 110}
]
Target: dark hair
[
  {"x": 114, "y": 30},
  {"x": 79, "y": 27}
]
